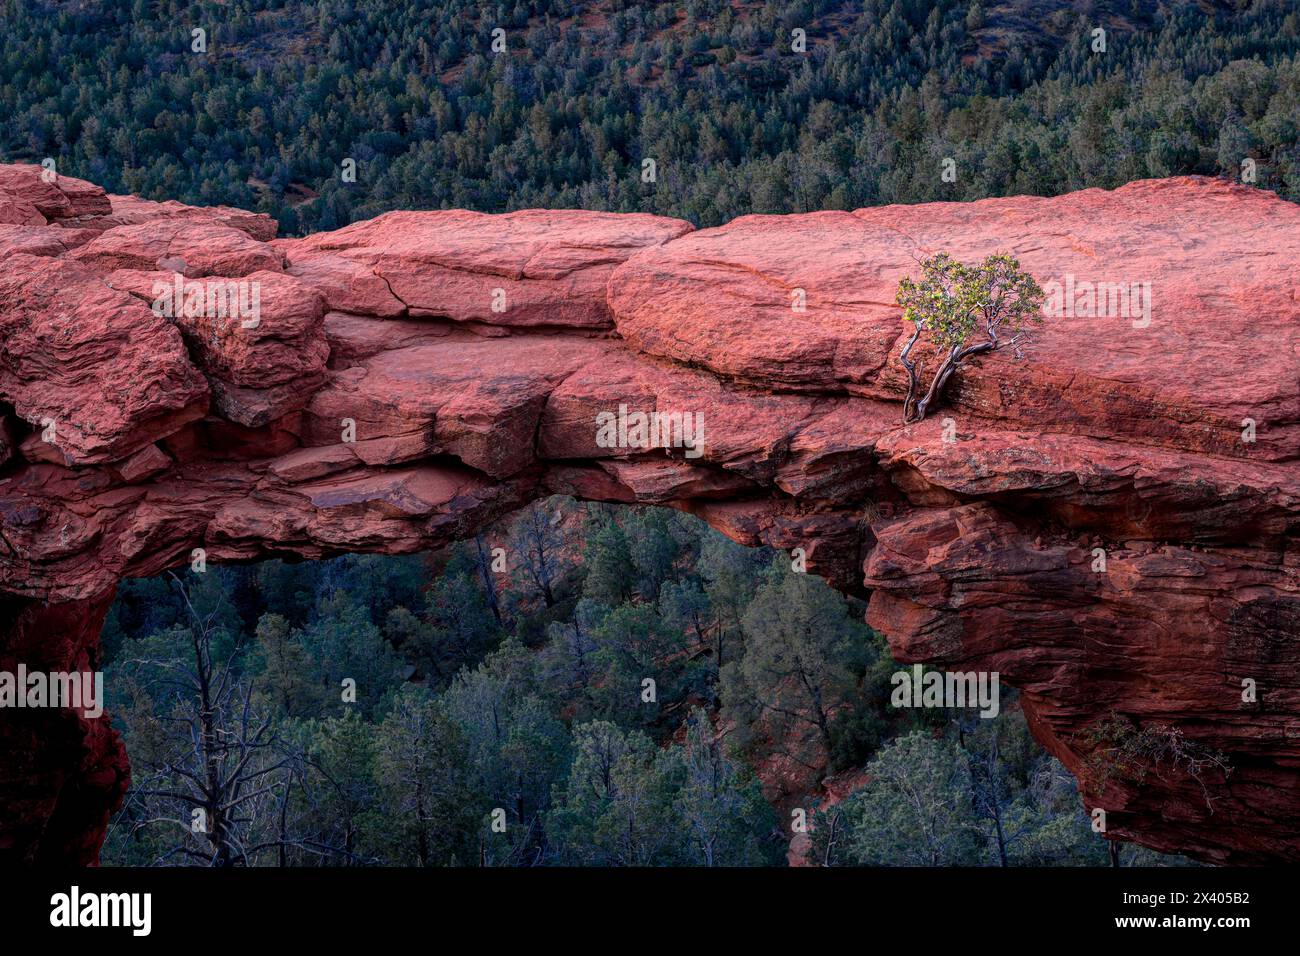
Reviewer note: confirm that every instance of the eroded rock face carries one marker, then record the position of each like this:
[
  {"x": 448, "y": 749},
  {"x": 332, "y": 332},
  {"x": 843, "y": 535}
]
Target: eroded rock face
[
  {"x": 1110, "y": 523},
  {"x": 532, "y": 268},
  {"x": 1208, "y": 340},
  {"x": 91, "y": 363}
]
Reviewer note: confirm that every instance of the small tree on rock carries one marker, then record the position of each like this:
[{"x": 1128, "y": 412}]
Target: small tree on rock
[{"x": 961, "y": 310}]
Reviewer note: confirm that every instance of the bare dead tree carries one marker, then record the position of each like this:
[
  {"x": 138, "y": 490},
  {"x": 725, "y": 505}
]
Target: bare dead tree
[
  {"x": 537, "y": 540},
  {"x": 483, "y": 564},
  {"x": 217, "y": 770}
]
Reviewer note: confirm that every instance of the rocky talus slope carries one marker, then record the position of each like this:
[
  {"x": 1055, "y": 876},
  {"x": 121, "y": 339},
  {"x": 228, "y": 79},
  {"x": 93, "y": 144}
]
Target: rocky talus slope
[{"x": 1111, "y": 522}]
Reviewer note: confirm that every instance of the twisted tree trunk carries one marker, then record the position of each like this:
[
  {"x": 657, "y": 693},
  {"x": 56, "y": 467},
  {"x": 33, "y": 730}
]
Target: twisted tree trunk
[{"x": 914, "y": 409}]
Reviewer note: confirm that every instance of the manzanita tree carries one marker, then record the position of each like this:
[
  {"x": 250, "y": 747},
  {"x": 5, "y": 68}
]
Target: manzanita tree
[{"x": 963, "y": 311}]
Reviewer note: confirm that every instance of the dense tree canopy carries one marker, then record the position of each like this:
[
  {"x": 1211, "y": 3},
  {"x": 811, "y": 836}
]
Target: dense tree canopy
[
  {"x": 735, "y": 120},
  {"x": 370, "y": 710}
]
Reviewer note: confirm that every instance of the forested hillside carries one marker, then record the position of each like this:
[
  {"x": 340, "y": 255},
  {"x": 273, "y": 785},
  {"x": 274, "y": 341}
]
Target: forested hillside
[
  {"x": 713, "y": 91},
  {"x": 491, "y": 707}
]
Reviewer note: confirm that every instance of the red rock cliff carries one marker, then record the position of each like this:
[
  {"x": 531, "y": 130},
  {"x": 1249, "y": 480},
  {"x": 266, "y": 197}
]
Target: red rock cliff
[{"x": 470, "y": 355}]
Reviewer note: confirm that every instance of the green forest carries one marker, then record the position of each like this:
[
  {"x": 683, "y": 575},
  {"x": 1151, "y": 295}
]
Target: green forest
[
  {"x": 580, "y": 95},
  {"x": 489, "y": 705}
]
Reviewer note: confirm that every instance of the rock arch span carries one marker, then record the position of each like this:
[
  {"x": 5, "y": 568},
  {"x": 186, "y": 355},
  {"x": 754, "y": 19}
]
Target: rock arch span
[{"x": 471, "y": 354}]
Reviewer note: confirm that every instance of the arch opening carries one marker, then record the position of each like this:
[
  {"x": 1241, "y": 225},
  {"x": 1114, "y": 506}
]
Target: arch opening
[{"x": 503, "y": 700}]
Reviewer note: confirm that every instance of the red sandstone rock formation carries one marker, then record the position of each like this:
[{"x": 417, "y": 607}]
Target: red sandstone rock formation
[{"x": 470, "y": 355}]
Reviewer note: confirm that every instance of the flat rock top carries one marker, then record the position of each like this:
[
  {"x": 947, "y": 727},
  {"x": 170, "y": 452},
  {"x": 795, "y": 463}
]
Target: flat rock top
[
  {"x": 531, "y": 268},
  {"x": 1195, "y": 280},
  {"x": 1217, "y": 264},
  {"x": 1223, "y": 263},
  {"x": 531, "y": 243}
]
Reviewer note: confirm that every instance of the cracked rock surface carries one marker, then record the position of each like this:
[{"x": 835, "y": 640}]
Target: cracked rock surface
[{"x": 416, "y": 376}]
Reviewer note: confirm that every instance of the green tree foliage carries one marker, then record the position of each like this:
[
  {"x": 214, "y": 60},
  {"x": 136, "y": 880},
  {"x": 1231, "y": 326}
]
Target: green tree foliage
[
  {"x": 627, "y": 802},
  {"x": 537, "y": 542},
  {"x": 459, "y": 626},
  {"x": 736, "y": 122},
  {"x": 425, "y": 785},
  {"x": 568, "y": 662},
  {"x": 615, "y": 807},
  {"x": 516, "y": 745},
  {"x": 611, "y": 573},
  {"x": 915, "y": 811},
  {"x": 803, "y": 658},
  {"x": 634, "y": 644},
  {"x": 730, "y": 574},
  {"x": 283, "y": 670},
  {"x": 342, "y": 771},
  {"x": 720, "y": 804},
  {"x": 973, "y": 792},
  {"x": 346, "y": 646},
  {"x": 654, "y": 546},
  {"x": 520, "y": 733},
  {"x": 961, "y": 312}
]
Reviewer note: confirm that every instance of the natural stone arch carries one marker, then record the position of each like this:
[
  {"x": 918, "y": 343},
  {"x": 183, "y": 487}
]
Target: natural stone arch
[{"x": 385, "y": 402}]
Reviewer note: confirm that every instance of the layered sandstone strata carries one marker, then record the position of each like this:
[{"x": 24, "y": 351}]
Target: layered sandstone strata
[{"x": 414, "y": 377}]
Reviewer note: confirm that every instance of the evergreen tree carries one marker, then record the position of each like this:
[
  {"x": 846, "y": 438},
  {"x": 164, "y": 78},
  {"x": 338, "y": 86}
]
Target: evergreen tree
[
  {"x": 611, "y": 573},
  {"x": 425, "y": 789},
  {"x": 616, "y": 807},
  {"x": 345, "y": 790},
  {"x": 803, "y": 657},
  {"x": 914, "y": 811},
  {"x": 726, "y": 820},
  {"x": 515, "y": 744},
  {"x": 285, "y": 681}
]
